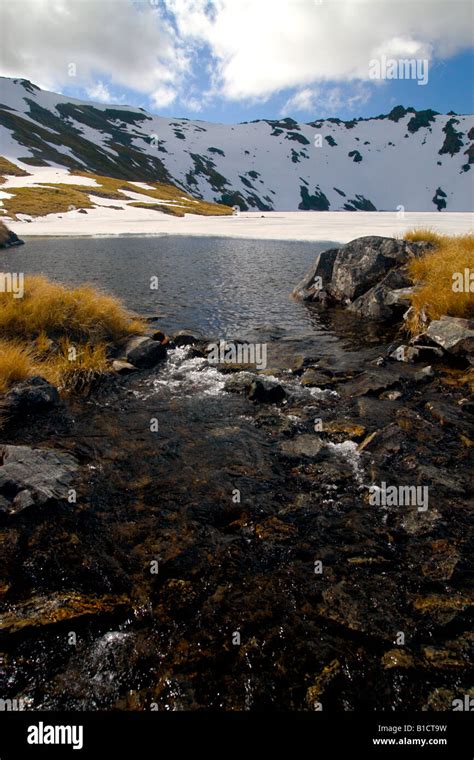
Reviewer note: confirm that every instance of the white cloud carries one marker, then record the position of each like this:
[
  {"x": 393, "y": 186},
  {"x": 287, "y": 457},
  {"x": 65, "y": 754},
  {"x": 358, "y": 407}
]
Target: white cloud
[
  {"x": 263, "y": 46},
  {"x": 125, "y": 44},
  {"x": 233, "y": 49},
  {"x": 326, "y": 100},
  {"x": 101, "y": 93},
  {"x": 162, "y": 97}
]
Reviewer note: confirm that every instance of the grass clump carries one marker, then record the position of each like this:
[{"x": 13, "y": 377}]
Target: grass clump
[
  {"x": 436, "y": 275},
  {"x": 16, "y": 363},
  {"x": 11, "y": 169},
  {"x": 39, "y": 201},
  {"x": 61, "y": 333},
  {"x": 423, "y": 235}
]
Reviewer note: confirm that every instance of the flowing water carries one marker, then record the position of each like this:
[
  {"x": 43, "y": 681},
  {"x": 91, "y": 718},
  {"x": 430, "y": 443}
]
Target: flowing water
[{"x": 229, "y": 616}]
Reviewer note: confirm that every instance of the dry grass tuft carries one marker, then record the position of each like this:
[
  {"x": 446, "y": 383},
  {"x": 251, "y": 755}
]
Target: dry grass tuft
[
  {"x": 60, "y": 333},
  {"x": 437, "y": 274},
  {"x": 16, "y": 363}
]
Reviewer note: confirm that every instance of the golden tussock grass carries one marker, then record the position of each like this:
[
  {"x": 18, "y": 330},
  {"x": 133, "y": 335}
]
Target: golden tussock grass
[
  {"x": 60, "y": 333},
  {"x": 16, "y": 363},
  {"x": 435, "y": 275},
  {"x": 54, "y": 198},
  {"x": 8, "y": 167}
]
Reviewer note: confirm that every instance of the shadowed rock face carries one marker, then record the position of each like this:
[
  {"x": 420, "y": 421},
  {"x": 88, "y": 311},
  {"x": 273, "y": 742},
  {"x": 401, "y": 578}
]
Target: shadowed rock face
[{"x": 8, "y": 239}]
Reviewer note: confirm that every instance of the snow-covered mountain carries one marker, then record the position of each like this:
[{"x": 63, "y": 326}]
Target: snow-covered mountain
[{"x": 420, "y": 161}]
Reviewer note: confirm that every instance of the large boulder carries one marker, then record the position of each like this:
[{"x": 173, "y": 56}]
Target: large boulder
[
  {"x": 369, "y": 273},
  {"x": 143, "y": 352},
  {"x": 33, "y": 476},
  {"x": 364, "y": 262}
]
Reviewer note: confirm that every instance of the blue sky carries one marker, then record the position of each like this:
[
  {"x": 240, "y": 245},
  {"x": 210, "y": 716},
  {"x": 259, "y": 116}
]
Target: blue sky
[{"x": 239, "y": 60}]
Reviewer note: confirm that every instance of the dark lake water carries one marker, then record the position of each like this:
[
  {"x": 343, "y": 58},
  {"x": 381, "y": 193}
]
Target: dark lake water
[{"x": 220, "y": 287}]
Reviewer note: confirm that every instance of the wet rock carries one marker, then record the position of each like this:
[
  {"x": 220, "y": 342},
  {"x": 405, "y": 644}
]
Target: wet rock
[
  {"x": 306, "y": 445},
  {"x": 454, "y": 335},
  {"x": 11, "y": 240},
  {"x": 34, "y": 475},
  {"x": 371, "y": 382},
  {"x": 397, "y": 658},
  {"x": 310, "y": 288},
  {"x": 144, "y": 352},
  {"x": 274, "y": 529},
  {"x": 371, "y": 608},
  {"x": 323, "y": 680},
  {"x": 266, "y": 392},
  {"x": 344, "y": 427},
  {"x": 453, "y": 654},
  {"x": 32, "y": 395},
  {"x": 439, "y": 559},
  {"x": 158, "y": 335},
  {"x": 440, "y": 610},
  {"x": 424, "y": 375},
  {"x": 239, "y": 382},
  {"x": 185, "y": 338},
  {"x": 48, "y": 610},
  {"x": 313, "y": 378},
  {"x": 123, "y": 368}
]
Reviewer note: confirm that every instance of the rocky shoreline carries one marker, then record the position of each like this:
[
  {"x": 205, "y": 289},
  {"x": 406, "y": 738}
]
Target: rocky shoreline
[{"x": 337, "y": 600}]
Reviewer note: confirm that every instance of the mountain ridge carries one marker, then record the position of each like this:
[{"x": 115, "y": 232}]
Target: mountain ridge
[{"x": 405, "y": 160}]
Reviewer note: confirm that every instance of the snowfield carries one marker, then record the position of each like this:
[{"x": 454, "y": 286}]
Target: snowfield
[{"x": 297, "y": 225}]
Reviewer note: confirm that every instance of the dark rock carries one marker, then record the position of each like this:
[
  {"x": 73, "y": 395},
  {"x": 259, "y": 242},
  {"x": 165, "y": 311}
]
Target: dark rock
[
  {"x": 368, "y": 273},
  {"x": 34, "y": 475},
  {"x": 371, "y": 383},
  {"x": 239, "y": 382},
  {"x": 387, "y": 300},
  {"x": 264, "y": 391},
  {"x": 144, "y": 352},
  {"x": 185, "y": 338},
  {"x": 313, "y": 378},
  {"x": 158, "y": 335},
  {"x": 305, "y": 445},
  {"x": 309, "y": 288},
  {"x": 364, "y": 262},
  {"x": 33, "y": 395},
  {"x": 11, "y": 240}
]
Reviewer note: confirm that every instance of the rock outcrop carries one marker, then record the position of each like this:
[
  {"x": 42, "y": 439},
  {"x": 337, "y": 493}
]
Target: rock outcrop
[{"x": 368, "y": 275}]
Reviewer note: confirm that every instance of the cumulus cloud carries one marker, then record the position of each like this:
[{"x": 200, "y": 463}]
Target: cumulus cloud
[
  {"x": 245, "y": 50},
  {"x": 270, "y": 45},
  {"x": 128, "y": 45}
]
